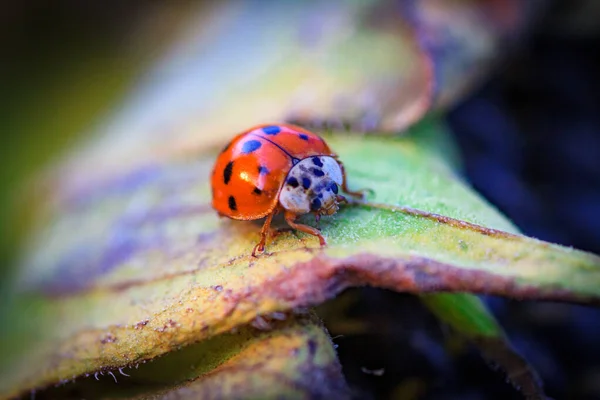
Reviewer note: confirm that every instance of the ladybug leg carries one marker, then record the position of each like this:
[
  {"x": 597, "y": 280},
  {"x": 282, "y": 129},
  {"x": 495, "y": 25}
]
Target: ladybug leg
[
  {"x": 341, "y": 199},
  {"x": 260, "y": 247},
  {"x": 358, "y": 193},
  {"x": 290, "y": 217}
]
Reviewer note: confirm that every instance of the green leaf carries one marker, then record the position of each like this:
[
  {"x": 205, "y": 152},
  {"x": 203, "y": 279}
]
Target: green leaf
[
  {"x": 138, "y": 267},
  {"x": 465, "y": 313}
]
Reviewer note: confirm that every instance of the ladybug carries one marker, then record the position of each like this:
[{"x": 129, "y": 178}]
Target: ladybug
[{"x": 282, "y": 168}]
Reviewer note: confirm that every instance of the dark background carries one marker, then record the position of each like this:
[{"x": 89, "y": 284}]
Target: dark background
[
  {"x": 530, "y": 139},
  {"x": 531, "y": 136}
]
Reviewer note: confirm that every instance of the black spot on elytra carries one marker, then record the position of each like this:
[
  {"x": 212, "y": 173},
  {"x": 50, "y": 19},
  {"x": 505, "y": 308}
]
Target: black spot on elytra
[
  {"x": 303, "y": 136},
  {"x": 226, "y": 147},
  {"x": 250, "y": 146},
  {"x": 271, "y": 130},
  {"x": 227, "y": 172},
  {"x": 306, "y": 182},
  {"x": 293, "y": 182},
  {"x": 317, "y": 172},
  {"x": 317, "y": 161},
  {"x": 263, "y": 170},
  {"x": 232, "y": 203},
  {"x": 257, "y": 191},
  {"x": 333, "y": 187}
]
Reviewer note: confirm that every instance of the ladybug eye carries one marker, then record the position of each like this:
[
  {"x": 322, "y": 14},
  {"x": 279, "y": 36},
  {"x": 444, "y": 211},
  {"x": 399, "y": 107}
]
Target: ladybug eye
[{"x": 315, "y": 204}]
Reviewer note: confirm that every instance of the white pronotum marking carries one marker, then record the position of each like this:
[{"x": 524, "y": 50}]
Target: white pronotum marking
[{"x": 308, "y": 181}]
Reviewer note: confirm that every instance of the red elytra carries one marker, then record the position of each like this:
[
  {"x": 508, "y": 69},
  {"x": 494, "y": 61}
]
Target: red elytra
[{"x": 274, "y": 168}]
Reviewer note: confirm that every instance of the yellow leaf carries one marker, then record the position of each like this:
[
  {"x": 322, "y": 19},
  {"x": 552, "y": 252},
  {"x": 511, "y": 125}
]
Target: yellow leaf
[{"x": 293, "y": 358}]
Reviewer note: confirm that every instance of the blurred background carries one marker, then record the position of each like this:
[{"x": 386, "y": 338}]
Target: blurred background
[{"x": 529, "y": 137}]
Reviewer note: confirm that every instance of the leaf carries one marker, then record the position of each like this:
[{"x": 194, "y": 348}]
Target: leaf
[
  {"x": 375, "y": 66},
  {"x": 236, "y": 65},
  {"x": 140, "y": 266},
  {"x": 292, "y": 358}
]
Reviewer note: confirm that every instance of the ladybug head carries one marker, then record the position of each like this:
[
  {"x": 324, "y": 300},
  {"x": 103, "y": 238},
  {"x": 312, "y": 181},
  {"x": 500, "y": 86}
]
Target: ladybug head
[
  {"x": 312, "y": 185},
  {"x": 323, "y": 199}
]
